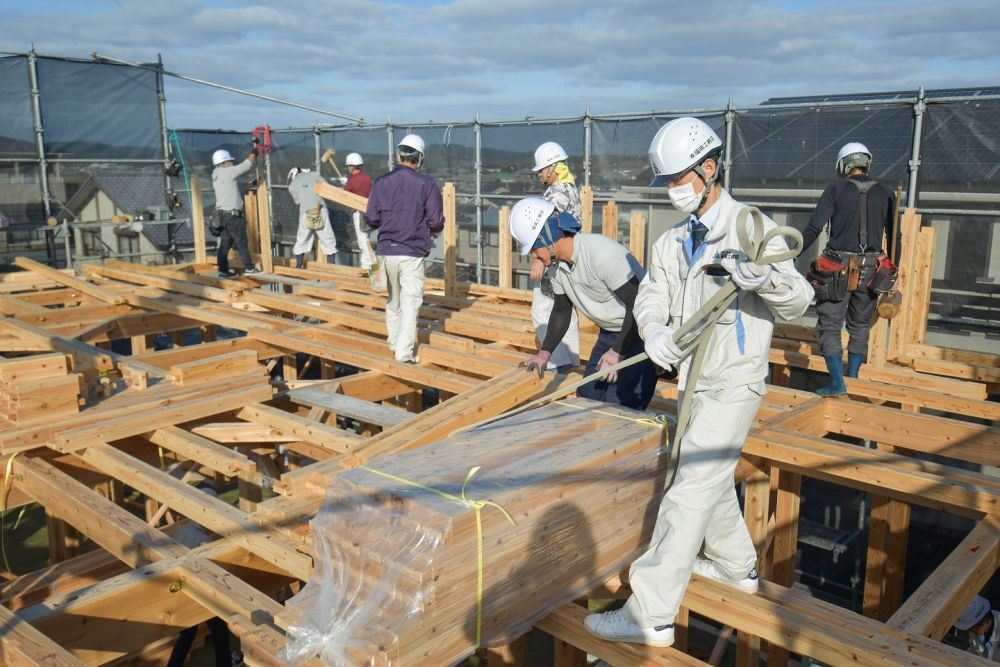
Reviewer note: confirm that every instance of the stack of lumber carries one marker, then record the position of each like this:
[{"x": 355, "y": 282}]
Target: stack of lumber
[
  {"x": 397, "y": 549},
  {"x": 38, "y": 389}
]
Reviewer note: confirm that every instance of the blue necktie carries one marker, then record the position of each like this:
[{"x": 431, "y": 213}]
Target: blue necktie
[{"x": 698, "y": 232}]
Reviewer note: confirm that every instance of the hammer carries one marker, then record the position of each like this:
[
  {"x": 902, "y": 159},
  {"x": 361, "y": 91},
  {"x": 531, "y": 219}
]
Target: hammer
[{"x": 328, "y": 157}]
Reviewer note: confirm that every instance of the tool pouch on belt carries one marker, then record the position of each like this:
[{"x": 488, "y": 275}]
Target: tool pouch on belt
[
  {"x": 314, "y": 218},
  {"x": 215, "y": 224},
  {"x": 883, "y": 278},
  {"x": 853, "y": 273},
  {"x": 828, "y": 276}
]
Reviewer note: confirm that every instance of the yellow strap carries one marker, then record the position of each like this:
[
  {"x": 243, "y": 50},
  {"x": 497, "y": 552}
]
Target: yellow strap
[
  {"x": 476, "y": 505},
  {"x": 8, "y": 472},
  {"x": 659, "y": 421}
]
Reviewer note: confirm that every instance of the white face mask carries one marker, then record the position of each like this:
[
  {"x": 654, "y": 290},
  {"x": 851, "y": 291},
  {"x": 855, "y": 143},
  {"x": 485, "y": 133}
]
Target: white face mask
[{"x": 684, "y": 198}]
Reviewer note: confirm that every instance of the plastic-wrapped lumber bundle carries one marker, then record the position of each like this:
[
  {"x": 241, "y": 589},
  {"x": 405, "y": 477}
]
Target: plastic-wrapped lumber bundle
[{"x": 423, "y": 556}]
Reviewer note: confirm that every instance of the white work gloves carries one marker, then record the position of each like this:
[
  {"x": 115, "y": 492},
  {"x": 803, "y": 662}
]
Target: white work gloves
[
  {"x": 609, "y": 358},
  {"x": 660, "y": 345},
  {"x": 750, "y": 277},
  {"x": 343, "y": 180}
]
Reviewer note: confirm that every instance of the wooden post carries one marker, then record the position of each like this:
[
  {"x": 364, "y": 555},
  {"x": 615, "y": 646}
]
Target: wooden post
[
  {"x": 198, "y": 222},
  {"x": 140, "y": 344},
  {"x": 609, "y": 220},
  {"x": 888, "y": 530},
  {"x": 786, "y": 535},
  {"x": 290, "y": 368},
  {"x": 922, "y": 276},
  {"x": 567, "y": 655},
  {"x": 587, "y": 206},
  {"x": 637, "y": 236},
  {"x": 450, "y": 239},
  {"x": 320, "y": 257},
  {"x": 264, "y": 229},
  {"x": 251, "y": 215},
  {"x": 509, "y": 655},
  {"x": 907, "y": 266},
  {"x": 504, "y": 261},
  {"x": 756, "y": 508}
]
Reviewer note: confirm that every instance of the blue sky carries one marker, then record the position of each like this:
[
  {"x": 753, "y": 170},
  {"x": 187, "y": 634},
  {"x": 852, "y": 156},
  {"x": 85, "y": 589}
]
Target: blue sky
[{"x": 447, "y": 60}]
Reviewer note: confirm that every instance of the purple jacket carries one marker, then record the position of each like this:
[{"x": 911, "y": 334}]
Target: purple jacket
[{"x": 405, "y": 206}]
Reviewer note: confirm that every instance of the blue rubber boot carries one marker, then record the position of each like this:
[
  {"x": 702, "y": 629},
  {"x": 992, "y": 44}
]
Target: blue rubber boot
[
  {"x": 854, "y": 361},
  {"x": 836, "y": 386}
]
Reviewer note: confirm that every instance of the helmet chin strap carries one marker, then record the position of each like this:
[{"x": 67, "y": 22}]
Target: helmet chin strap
[{"x": 709, "y": 182}]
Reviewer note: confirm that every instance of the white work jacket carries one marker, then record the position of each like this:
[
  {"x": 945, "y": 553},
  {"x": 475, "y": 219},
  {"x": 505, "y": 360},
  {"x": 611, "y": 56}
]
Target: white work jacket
[{"x": 676, "y": 286}]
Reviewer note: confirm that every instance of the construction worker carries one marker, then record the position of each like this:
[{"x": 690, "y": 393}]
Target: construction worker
[
  {"x": 552, "y": 171},
  {"x": 983, "y": 626},
  {"x": 600, "y": 278},
  {"x": 850, "y": 242},
  {"x": 230, "y": 223},
  {"x": 359, "y": 183},
  {"x": 314, "y": 218},
  {"x": 405, "y": 207},
  {"x": 701, "y": 505}
]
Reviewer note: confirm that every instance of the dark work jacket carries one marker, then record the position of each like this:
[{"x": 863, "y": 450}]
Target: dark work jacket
[
  {"x": 840, "y": 206},
  {"x": 405, "y": 207}
]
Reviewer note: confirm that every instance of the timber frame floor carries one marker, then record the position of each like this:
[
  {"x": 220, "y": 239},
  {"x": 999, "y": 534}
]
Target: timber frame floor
[{"x": 87, "y": 429}]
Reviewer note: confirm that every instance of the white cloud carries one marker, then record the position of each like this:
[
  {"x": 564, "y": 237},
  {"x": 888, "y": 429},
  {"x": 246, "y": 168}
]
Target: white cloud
[{"x": 520, "y": 57}]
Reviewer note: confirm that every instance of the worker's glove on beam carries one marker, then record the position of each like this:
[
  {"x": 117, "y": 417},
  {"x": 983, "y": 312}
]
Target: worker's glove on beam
[
  {"x": 537, "y": 362},
  {"x": 660, "y": 345},
  {"x": 609, "y": 358},
  {"x": 750, "y": 277}
]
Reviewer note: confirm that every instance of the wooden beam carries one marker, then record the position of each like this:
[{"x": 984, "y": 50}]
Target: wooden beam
[
  {"x": 115, "y": 529},
  {"x": 70, "y": 281},
  {"x": 637, "y": 236},
  {"x": 786, "y": 536},
  {"x": 609, "y": 220},
  {"x": 214, "y": 514},
  {"x": 264, "y": 228},
  {"x": 932, "y": 609},
  {"x": 74, "y": 439},
  {"x": 922, "y": 276},
  {"x": 566, "y": 623},
  {"x": 341, "y": 196},
  {"x": 335, "y": 440},
  {"x": 22, "y": 645},
  {"x": 504, "y": 251},
  {"x": 198, "y": 221},
  {"x": 206, "y": 452},
  {"x": 213, "y": 368},
  {"x": 587, "y": 209},
  {"x": 83, "y": 353},
  {"x": 923, "y": 483},
  {"x": 450, "y": 239}
]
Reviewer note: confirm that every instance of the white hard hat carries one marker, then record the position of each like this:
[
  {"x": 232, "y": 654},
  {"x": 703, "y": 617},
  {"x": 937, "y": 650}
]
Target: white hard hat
[
  {"x": 415, "y": 142},
  {"x": 548, "y": 154},
  {"x": 354, "y": 160},
  {"x": 679, "y": 145},
  {"x": 975, "y": 612},
  {"x": 863, "y": 159},
  {"x": 527, "y": 219},
  {"x": 220, "y": 156}
]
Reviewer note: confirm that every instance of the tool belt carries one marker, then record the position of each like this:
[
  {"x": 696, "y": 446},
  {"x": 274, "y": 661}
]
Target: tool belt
[
  {"x": 828, "y": 275},
  {"x": 314, "y": 218}
]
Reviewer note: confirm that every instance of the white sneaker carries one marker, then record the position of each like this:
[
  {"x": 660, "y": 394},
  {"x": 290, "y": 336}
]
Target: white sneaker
[
  {"x": 615, "y": 626},
  {"x": 708, "y": 568}
]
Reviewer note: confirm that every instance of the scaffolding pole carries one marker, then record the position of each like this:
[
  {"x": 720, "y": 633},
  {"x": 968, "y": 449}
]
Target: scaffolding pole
[{"x": 478, "y": 130}]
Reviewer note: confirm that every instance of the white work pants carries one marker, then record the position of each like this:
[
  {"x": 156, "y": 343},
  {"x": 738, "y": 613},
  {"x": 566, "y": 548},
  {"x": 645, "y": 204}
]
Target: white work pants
[
  {"x": 304, "y": 237},
  {"x": 405, "y": 278},
  {"x": 567, "y": 352},
  {"x": 700, "y": 506},
  {"x": 366, "y": 255}
]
